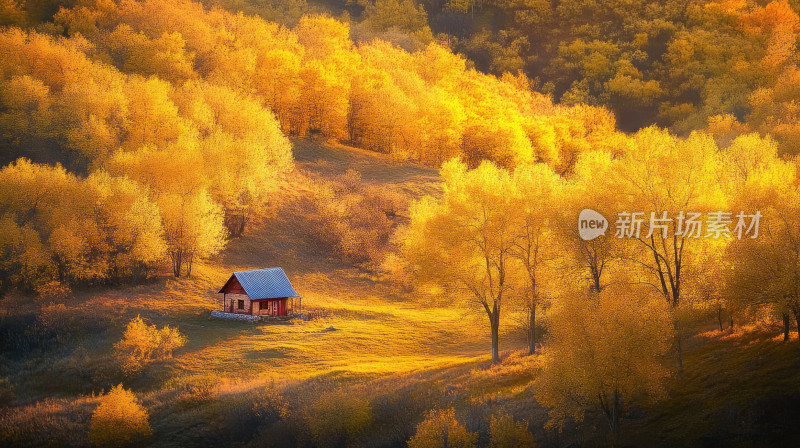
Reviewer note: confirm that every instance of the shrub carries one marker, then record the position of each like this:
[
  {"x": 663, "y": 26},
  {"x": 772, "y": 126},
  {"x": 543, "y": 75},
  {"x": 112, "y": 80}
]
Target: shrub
[
  {"x": 197, "y": 391},
  {"x": 440, "y": 429},
  {"x": 354, "y": 219},
  {"x": 119, "y": 419},
  {"x": 506, "y": 433},
  {"x": 143, "y": 344},
  {"x": 49, "y": 422}
]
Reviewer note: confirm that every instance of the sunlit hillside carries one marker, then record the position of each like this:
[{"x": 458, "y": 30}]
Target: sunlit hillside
[
  {"x": 371, "y": 330},
  {"x": 399, "y": 223}
]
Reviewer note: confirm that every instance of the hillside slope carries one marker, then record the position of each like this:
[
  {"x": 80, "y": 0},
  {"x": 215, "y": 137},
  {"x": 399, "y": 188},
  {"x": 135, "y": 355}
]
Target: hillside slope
[{"x": 382, "y": 350}]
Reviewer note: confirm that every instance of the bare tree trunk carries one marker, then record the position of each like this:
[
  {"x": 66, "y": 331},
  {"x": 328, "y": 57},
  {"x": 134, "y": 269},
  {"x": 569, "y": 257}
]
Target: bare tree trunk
[
  {"x": 719, "y": 318},
  {"x": 189, "y": 260},
  {"x": 494, "y": 320},
  {"x": 785, "y": 327},
  {"x": 615, "y": 419},
  {"x": 611, "y": 409},
  {"x": 532, "y": 331},
  {"x": 177, "y": 262},
  {"x": 797, "y": 321}
]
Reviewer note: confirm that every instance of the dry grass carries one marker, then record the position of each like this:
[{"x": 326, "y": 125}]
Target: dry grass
[
  {"x": 50, "y": 422},
  {"x": 388, "y": 345},
  {"x": 381, "y": 360}
]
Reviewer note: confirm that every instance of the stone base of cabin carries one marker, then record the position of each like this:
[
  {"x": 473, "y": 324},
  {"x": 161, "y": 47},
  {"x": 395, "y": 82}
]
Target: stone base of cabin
[
  {"x": 253, "y": 318},
  {"x": 235, "y": 316}
]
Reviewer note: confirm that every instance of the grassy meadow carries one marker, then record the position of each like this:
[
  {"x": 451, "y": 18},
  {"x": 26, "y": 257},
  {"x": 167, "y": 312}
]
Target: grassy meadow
[
  {"x": 374, "y": 335},
  {"x": 363, "y": 375}
]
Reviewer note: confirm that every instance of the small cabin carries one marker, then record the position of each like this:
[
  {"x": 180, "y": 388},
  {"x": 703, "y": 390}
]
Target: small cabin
[{"x": 261, "y": 292}]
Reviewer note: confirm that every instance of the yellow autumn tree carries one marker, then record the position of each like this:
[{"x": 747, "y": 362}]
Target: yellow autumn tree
[
  {"x": 465, "y": 240},
  {"x": 504, "y": 432},
  {"x": 593, "y": 186},
  {"x": 605, "y": 352},
  {"x": 193, "y": 228},
  {"x": 675, "y": 187},
  {"x": 537, "y": 194},
  {"x": 764, "y": 268}
]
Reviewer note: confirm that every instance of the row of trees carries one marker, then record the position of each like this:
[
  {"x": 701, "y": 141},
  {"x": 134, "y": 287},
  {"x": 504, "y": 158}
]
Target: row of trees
[
  {"x": 507, "y": 242},
  {"x": 426, "y": 105},
  {"x": 186, "y": 110},
  {"x": 173, "y": 170}
]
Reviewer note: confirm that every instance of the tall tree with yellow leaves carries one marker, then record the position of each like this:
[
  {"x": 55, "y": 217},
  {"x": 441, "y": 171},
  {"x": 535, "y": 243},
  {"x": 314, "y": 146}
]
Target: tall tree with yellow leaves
[
  {"x": 669, "y": 181},
  {"x": 535, "y": 247},
  {"x": 765, "y": 270},
  {"x": 465, "y": 241}
]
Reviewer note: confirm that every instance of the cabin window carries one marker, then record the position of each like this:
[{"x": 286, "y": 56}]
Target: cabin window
[
  {"x": 240, "y": 304},
  {"x": 262, "y": 305}
]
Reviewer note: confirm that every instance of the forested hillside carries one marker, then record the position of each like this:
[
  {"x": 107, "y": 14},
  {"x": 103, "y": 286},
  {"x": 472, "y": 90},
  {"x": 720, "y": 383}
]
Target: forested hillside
[
  {"x": 513, "y": 222},
  {"x": 194, "y": 106}
]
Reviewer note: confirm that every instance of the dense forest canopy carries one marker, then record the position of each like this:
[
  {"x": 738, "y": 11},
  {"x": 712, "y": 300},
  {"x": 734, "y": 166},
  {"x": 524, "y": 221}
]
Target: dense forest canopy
[{"x": 191, "y": 107}]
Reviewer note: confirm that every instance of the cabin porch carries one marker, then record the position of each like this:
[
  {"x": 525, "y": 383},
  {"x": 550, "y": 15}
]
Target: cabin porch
[{"x": 242, "y": 304}]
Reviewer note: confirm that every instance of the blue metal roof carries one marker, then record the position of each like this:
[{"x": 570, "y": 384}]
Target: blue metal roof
[{"x": 271, "y": 283}]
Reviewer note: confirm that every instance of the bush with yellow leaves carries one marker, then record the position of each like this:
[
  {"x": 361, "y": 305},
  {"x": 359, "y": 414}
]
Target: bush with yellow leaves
[
  {"x": 120, "y": 419},
  {"x": 143, "y": 344},
  {"x": 507, "y": 433},
  {"x": 440, "y": 429}
]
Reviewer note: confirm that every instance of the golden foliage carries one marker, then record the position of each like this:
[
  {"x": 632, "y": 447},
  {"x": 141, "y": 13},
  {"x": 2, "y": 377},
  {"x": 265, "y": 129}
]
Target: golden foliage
[
  {"x": 143, "y": 344},
  {"x": 440, "y": 429},
  {"x": 605, "y": 351},
  {"x": 338, "y": 419},
  {"x": 506, "y": 433},
  {"x": 64, "y": 228},
  {"x": 119, "y": 419}
]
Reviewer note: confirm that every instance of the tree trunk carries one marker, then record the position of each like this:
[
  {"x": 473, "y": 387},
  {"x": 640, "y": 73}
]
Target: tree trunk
[
  {"x": 611, "y": 410},
  {"x": 189, "y": 260},
  {"x": 177, "y": 263},
  {"x": 785, "y": 327},
  {"x": 719, "y": 318},
  {"x": 680, "y": 352},
  {"x": 494, "y": 320},
  {"x": 532, "y": 331}
]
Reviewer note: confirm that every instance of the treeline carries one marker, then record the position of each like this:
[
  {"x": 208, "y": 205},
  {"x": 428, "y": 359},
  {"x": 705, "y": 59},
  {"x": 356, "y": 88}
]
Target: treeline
[
  {"x": 506, "y": 243},
  {"x": 187, "y": 110},
  {"x": 173, "y": 168},
  {"x": 683, "y": 65},
  {"x": 426, "y": 105}
]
